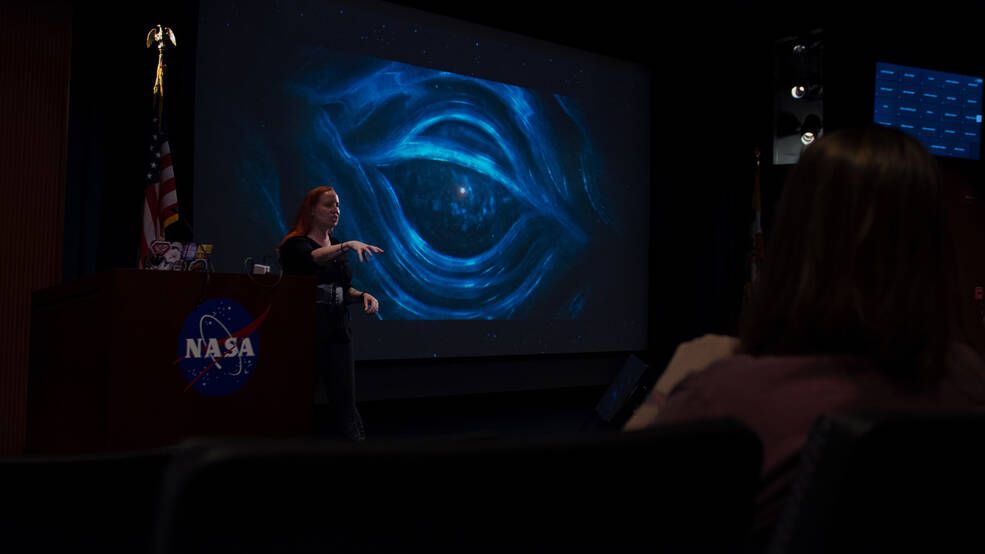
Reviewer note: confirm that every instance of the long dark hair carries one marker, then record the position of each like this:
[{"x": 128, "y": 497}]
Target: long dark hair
[{"x": 859, "y": 261}]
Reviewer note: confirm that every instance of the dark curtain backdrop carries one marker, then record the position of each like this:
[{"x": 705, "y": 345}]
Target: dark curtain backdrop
[{"x": 35, "y": 53}]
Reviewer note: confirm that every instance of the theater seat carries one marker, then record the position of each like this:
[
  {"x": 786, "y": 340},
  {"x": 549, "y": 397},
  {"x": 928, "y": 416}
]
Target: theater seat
[
  {"x": 684, "y": 488},
  {"x": 888, "y": 483},
  {"x": 103, "y": 503}
]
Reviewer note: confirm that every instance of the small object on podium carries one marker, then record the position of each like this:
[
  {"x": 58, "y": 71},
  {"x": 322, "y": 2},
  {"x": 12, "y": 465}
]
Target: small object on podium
[
  {"x": 252, "y": 269},
  {"x": 176, "y": 256}
]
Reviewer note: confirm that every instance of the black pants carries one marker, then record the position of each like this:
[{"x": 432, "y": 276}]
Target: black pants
[{"x": 336, "y": 368}]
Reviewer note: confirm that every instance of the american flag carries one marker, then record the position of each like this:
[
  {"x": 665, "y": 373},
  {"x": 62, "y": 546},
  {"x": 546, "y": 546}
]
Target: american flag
[{"x": 160, "y": 194}]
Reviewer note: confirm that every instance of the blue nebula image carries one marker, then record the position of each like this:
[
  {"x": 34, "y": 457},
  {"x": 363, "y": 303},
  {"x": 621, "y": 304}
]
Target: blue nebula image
[{"x": 482, "y": 194}]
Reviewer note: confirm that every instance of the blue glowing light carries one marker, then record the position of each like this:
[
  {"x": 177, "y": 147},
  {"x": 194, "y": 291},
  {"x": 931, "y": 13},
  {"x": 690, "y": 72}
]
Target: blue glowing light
[{"x": 481, "y": 193}]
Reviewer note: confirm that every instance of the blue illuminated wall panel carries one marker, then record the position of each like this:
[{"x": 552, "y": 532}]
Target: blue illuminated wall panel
[{"x": 942, "y": 110}]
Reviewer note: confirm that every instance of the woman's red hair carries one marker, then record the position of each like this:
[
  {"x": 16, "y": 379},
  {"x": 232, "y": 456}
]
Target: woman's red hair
[{"x": 302, "y": 223}]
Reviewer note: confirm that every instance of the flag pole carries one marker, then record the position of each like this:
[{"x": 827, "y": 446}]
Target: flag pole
[
  {"x": 160, "y": 36},
  {"x": 160, "y": 205}
]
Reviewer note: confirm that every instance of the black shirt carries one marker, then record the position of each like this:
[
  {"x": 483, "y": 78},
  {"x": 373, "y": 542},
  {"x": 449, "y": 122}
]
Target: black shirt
[{"x": 295, "y": 258}]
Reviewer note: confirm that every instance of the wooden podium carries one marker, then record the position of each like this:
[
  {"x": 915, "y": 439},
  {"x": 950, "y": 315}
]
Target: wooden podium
[{"x": 107, "y": 358}]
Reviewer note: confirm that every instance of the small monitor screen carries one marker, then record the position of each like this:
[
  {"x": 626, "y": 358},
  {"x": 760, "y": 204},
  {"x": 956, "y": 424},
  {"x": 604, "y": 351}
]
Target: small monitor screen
[{"x": 942, "y": 110}]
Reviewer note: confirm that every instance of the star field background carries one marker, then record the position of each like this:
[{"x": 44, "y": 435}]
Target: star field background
[{"x": 507, "y": 179}]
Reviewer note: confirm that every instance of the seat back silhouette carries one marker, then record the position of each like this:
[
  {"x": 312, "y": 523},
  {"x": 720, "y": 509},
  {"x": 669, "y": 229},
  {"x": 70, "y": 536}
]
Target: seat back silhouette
[
  {"x": 678, "y": 487},
  {"x": 84, "y": 503},
  {"x": 888, "y": 483}
]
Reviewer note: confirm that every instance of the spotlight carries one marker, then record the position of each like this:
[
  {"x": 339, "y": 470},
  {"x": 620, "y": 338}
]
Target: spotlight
[
  {"x": 798, "y": 91},
  {"x": 799, "y": 49},
  {"x": 810, "y": 129}
]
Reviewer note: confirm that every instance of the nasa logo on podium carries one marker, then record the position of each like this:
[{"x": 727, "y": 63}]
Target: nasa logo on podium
[{"x": 218, "y": 346}]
